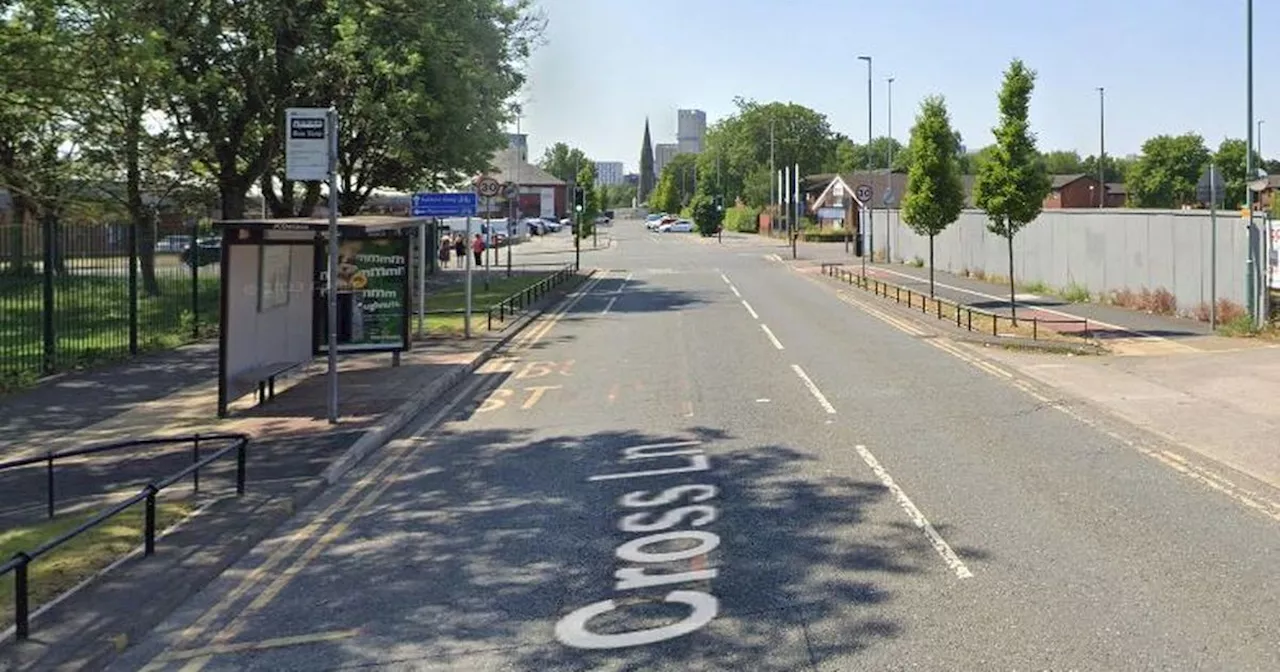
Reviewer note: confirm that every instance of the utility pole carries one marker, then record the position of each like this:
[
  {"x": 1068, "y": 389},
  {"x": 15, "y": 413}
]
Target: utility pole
[
  {"x": 870, "y": 233},
  {"x": 577, "y": 239},
  {"x": 888, "y": 223},
  {"x": 773, "y": 170},
  {"x": 1263, "y": 164},
  {"x": 1102, "y": 147},
  {"x": 1251, "y": 265}
]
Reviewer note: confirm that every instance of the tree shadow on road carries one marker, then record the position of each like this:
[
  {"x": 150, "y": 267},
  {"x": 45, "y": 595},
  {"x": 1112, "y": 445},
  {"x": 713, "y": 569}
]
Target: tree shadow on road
[{"x": 477, "y": 552}]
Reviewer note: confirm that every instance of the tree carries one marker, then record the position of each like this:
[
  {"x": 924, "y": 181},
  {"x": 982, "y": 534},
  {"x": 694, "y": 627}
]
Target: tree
[
  {"x": 852, "y": 157},
  {"x": 563, "y": 161},
  {"x": 684, "y": 173},
  {"x": 1115, "y": 169},
  {"x": 1230, "y": 159},
  {"x": 591, "y": 194},
  {"x": 1012, "y": 186},
  {"x": 666, "y": 196},
  {"x": 935, "y": 194},
  {"x": 1063, "y": 162},
  {"x": 706, "y": 215},
  {"x": 1166, "y": 174},
  {"x": 800, "y": 136}
]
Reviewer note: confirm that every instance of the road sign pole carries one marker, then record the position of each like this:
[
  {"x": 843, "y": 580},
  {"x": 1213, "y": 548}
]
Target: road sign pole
[
  {"x": 331, "y": 283},
  {"x": 466, "y": 316},
  {"x": 423, "y": 260},
  {"x": 488, "y": 240},
  {"x": 1213, "y": 248}
]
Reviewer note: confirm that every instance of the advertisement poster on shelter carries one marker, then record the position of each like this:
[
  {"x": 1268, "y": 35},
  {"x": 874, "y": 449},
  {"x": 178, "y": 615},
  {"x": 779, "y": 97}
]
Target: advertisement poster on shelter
[{"x": 372, "y": 295}]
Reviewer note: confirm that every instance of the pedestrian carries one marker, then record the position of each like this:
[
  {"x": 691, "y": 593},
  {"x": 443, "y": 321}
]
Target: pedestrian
[
  {"x": 460, "y": 250},
  {"x": 477, "y": 246},
  {"x": 446, "y": 246}
]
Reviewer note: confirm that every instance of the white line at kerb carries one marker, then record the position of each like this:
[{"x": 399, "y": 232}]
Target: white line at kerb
[
  {"x": 750, "y": 309},
  {"x": 772, "y": 339},
  {"x": 609, "y": 305},
  {"x": 813, "y": 389},
  {"x": 939, "y": 544}
]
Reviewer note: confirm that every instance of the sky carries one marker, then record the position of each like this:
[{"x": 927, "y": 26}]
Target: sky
[{"x": 1167, "y": 66}]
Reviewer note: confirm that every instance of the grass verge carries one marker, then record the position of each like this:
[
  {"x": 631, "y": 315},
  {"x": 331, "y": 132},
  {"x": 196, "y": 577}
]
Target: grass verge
[
  {"x": 80, "y": 558},
  {"x": 455, "y": 298}
]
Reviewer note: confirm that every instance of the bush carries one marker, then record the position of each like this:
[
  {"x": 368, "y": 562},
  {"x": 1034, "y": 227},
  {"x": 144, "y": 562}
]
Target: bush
[
  {"x": 823, "y": 236},
  {"x": 706, "y": 216},
  {"x": 1160, "y": 301},
  {"x": 741, "y": 218},
  {"x": 1076, "y": 293}
]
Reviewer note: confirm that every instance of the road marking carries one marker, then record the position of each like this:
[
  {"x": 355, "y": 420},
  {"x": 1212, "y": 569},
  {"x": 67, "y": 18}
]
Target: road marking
[
  {"x": 735, "y": 291},
  {"x": 609, "y": 305},
  {"x": 726, "y": 279},
  {"x": 813, "y": 389},
  {"x": 750, "y": 309},
  {"x": 275, "y": 643},
  {"x": 773, "y": 339},
  {"x": 762, "y": 400},
  {"x": 1270, "y": 509},
  {"x": 296, "y": 540},
  {"x": 939, "y": 544}
]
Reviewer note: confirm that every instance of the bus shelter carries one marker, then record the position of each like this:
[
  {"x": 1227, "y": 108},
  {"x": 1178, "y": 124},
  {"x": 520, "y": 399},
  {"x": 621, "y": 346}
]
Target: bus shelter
[{"x": 274, "y": 303}]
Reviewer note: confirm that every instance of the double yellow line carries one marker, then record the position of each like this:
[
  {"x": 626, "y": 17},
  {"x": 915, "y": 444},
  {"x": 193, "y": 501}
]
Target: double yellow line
[{"x": 372, "y": 485}]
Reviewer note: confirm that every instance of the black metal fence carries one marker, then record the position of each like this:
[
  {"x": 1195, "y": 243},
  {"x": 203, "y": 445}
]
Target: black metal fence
[
  {"x": 72, "y": 295},
  {"x": 20, "y": 563},
  {"x": 965, "y": 317}
]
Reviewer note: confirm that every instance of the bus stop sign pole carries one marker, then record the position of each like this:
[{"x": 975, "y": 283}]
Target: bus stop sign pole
[{"x": 331, "y": 283}]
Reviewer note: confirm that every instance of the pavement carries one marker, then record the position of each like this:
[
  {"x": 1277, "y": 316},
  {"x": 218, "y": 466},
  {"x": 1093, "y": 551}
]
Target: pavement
[
  {"x": 293, "y": 455},
  {"x": 706, "y": 460}
]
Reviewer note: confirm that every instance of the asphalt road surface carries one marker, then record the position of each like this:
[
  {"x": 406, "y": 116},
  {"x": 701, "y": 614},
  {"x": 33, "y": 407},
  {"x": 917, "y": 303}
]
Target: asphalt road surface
[{"x": 708, "y": 461}]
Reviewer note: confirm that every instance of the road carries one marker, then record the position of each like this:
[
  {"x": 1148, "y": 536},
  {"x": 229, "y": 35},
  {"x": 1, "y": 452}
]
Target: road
[{"x": 707, "y": 461}]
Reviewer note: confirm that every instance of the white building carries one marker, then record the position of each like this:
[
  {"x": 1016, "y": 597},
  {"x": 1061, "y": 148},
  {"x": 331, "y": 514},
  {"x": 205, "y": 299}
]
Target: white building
[
  {"x": 691, "y": 131},
  {"x": 662, "y": 155},
  {"x": 609, "y": 173}
]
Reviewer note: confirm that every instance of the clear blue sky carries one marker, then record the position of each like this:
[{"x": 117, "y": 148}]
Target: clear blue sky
[{"x": 1169, "y": 66}]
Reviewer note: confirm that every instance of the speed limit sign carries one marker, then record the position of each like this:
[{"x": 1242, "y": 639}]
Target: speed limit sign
[{"x": 488, "y": 187}]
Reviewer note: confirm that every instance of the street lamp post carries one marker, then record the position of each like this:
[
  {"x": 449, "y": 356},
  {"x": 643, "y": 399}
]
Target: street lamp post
[
  {"x": 1251, "y": 264},
  {"x": 1263, "y": 165},
  {"x": 1102, "y": 147},
  {"x": 870, "y": 237},
  {"x": 888, "y": 234}
]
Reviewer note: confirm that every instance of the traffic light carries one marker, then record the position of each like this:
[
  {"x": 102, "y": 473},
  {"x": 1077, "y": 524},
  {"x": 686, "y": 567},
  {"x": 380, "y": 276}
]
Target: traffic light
[
  {"x": 719, "y": 201},
  {"x": 579, "y": 199}
]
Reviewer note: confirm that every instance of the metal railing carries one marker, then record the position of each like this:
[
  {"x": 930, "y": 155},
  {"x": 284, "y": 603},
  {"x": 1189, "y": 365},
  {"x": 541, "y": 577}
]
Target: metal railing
[
  {"x": 964, "y": 315},
  {"x": 21, "y": 561},
  {"x": 77, "y": 294},
  {"x": 526, "y": 297}
]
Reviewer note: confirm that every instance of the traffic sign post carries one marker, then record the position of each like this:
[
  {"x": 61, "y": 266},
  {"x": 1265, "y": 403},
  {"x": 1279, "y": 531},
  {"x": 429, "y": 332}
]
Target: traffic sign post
[
  {"x": 488, "y": 187},
  {"x": 311, "y": 155},
  {"x": 448, "y": 204}
]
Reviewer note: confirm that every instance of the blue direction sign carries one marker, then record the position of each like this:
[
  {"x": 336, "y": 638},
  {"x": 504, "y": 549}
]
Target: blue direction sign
[{"x": 455, "y": 204}]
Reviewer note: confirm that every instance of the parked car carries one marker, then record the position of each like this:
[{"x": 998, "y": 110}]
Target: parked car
[
  {"x": 550, "y": 224},
  {"x": 535, "y": 226},
  {"x": 602, "y": 220},
  {"x": 173, "y": 243},
  {"x": 207, "y": 251},
  {"x": 678, "y": 226}
]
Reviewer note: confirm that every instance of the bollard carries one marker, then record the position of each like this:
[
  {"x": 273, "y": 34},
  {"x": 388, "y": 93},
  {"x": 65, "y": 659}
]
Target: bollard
[
  {"x": 21, "y": 615},
  {"x": 240, "y": 466},
  {"x": 1035, "y": 332},
  {"x": 49, "y": 481},
  {"x": 195, "y": 459},
  {"x": 149, "y": 525}
]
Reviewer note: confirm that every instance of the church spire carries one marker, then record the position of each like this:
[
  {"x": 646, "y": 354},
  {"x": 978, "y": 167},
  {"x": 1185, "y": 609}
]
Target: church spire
[{"x": 647, "y": 179}]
